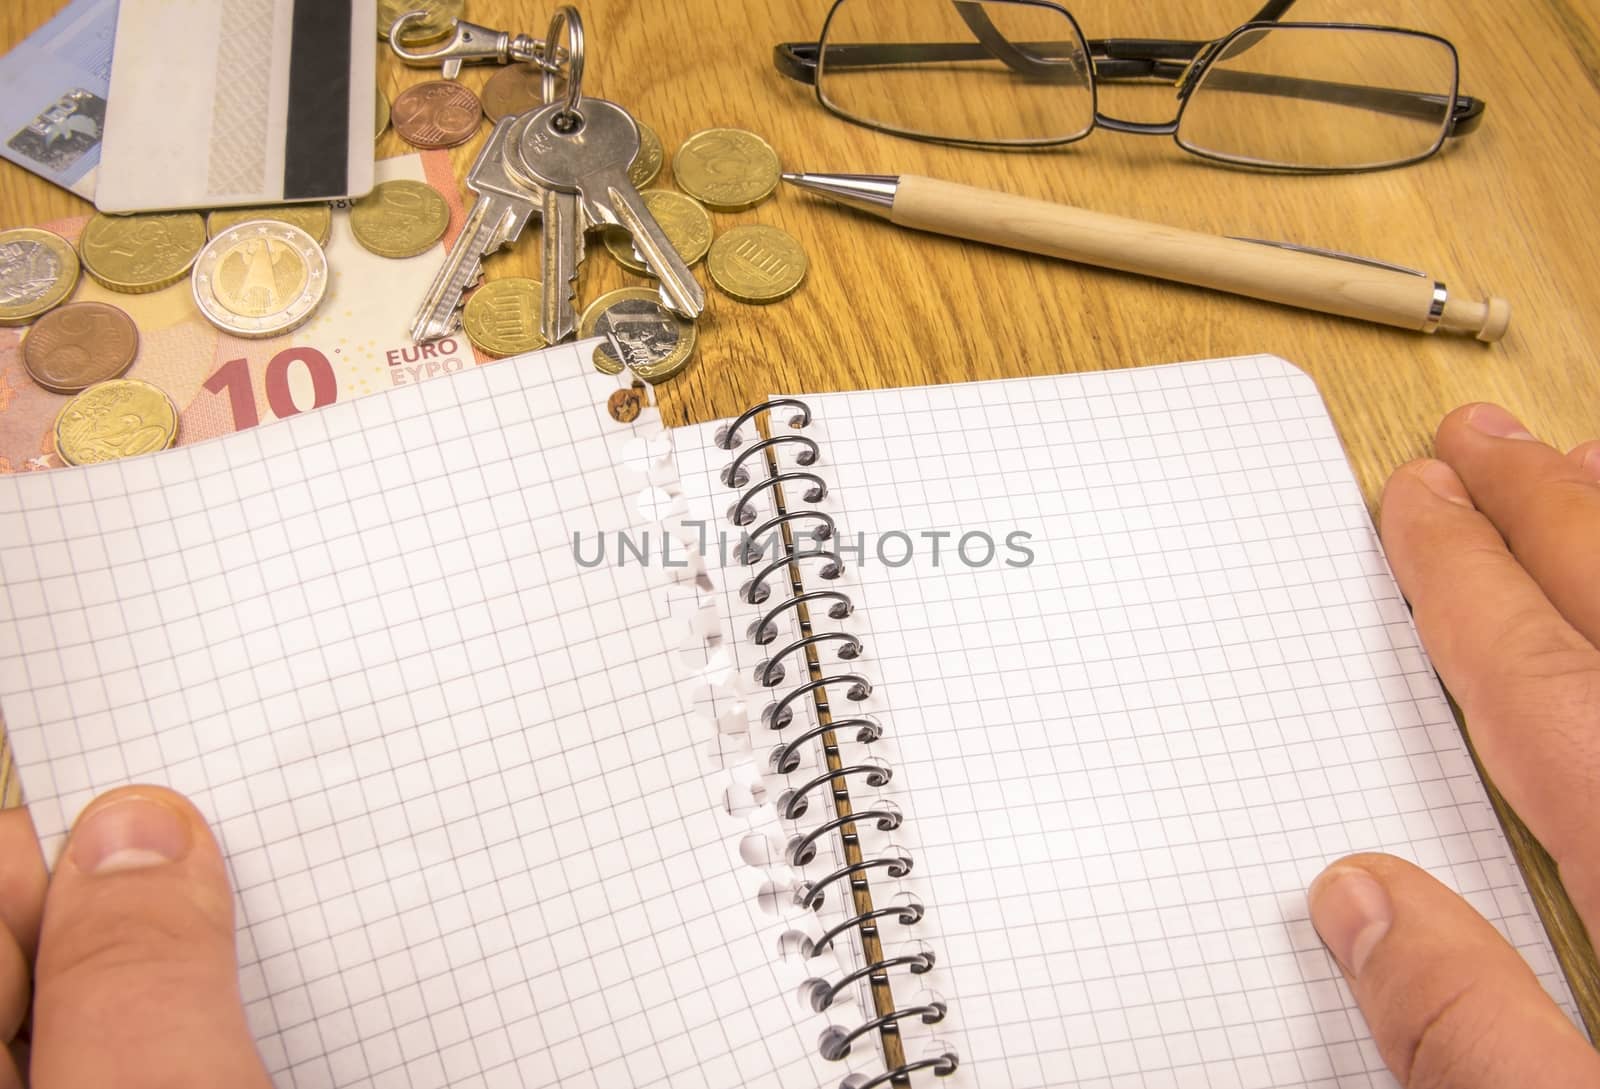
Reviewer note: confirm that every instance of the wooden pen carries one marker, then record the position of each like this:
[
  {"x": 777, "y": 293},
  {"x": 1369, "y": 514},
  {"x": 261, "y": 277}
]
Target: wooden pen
[{"x": 1354, "y": 287}]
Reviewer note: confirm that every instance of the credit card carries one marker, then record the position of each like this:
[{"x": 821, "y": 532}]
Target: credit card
[
  {"x": 215, "y": 103},
  {"x": 53, "y": 88}
]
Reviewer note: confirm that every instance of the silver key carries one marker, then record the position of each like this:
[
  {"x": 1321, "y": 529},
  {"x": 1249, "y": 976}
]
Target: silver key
[
  {"x": 563, "y": 251},
  {"x": 498, "y": 216},
  {"x": 591, "y": 159}
]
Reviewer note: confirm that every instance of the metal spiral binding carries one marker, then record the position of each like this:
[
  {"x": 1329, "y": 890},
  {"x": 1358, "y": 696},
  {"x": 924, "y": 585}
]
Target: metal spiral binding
[
  {"x": 778, "y": 715},
  {"x": 942, "y": 1066},
  {"x": 764, "y": 631},
  {"x": 755, "y": 590},
  {"x": 770, "y": 672},
  {"x": 794, "y": 802},
  {"x": 735, "y": 477},
  {"x": 824, "y": 993},
  {"x": 824, "y": 531},
  {"x": 753, "y": 471}
]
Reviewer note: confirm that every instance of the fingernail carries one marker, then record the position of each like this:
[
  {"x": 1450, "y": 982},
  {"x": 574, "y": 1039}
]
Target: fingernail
[
  {"x": 1591, "y": 463},
  {"x": 1442, "y": 481},
  {"x": 131, "y": 832},
  {"x": 1496, "y": 421},
  {"x": 1351, "y": 912}
]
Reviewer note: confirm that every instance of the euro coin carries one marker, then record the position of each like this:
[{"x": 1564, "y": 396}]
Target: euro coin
[
  {"x": 756, "y": 263},
  {"x": 314, "y": 219},
  {"x": 647, "y": 163},
  {"x": 399, "y": 218},
  {"x": 502, "y": 316},
  {"x": 726, "y": 169},
  {"x": 439, "y": 113},
  {"x": 38, "y": 271},
  {"x": 260, "y": 279},
  {"x": 639, "y": 333},
  {"x": 117, "y": 419},
  {"x": 625, "y": 405},
  {"x": 686, "y": 225},
  {"x": 440, "y": 21},
  {"x": 516, "y": 88},
  {"x": 380, "y": 120},
  {"x": 137, "y": 254},
  {"x": 77, "y": 345}
]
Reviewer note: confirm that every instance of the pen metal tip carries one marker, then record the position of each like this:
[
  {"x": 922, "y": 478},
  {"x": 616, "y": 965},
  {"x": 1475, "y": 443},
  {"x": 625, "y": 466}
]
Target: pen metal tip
[{"x": 868, "y": 192}]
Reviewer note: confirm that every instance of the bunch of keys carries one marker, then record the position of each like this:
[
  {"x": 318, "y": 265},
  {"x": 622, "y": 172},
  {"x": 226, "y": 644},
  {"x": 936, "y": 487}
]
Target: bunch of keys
[{"x": 568, "y": 162}]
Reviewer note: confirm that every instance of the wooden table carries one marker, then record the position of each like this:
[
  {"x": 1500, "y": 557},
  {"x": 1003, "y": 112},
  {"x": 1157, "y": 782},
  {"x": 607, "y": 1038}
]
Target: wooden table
[{"x": 1511, "y": 210}]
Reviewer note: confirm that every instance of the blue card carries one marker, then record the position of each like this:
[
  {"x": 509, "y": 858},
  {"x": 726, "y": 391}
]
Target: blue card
[{"x": 53, "y": 95}]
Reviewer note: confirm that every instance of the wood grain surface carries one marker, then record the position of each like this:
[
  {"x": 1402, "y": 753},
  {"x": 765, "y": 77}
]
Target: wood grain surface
[{"x": 1509, "y": 210}]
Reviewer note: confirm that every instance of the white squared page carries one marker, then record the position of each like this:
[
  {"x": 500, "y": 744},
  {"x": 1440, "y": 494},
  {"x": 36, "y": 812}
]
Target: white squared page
[
  {"x": 1123, "y": 763},
  {"x": 454, "y": 772}
]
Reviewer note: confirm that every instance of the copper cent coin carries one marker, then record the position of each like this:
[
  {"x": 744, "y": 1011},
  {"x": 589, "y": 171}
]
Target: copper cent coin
[
  {"x": 516, "y": 88},
  {"x": 441, "y": 113},
  {"x": 74, "y": 346},
  {"x": 625, "y": 405}
]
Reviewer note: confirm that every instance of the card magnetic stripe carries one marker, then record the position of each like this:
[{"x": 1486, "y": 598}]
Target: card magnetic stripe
[{"x": 319, "y": 100}]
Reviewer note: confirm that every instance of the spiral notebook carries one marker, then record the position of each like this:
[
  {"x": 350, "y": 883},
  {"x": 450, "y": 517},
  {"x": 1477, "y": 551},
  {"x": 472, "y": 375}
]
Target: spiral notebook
[{"x": 983, "y": 734}]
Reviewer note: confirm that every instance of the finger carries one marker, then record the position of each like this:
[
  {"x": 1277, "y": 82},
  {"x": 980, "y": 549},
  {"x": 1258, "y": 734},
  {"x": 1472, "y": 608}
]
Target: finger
[
  {"x": 1528, "y": 683},
  {"x": 22, "y": 878},
  {"x": 1448, "y": 1001},
  {"x": 1586, "y": 456},
  {"x": 1546, "y": 508},
  {"x": 16, "y": 988},
  {"x": 137, "y": 983},
  {"x": 22, "y": 883}
]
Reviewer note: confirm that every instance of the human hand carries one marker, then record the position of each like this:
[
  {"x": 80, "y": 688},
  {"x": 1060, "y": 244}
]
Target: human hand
[
  {"x": 1495, "y": 546},
  {"x": 129, "y": 947}
]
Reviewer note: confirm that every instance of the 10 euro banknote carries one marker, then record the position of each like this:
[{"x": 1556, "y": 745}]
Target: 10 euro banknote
[{"x": 356, "y": 343}]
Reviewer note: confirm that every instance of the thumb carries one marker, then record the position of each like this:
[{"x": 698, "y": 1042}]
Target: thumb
[
  {"x": 136, "y": 983},
  {"x": 1449, "y": 1002}
]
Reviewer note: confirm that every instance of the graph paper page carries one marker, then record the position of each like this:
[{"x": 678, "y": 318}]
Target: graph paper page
[
  {"x": 1123, "y": 759},
  {"x": 453, "y": 770}
]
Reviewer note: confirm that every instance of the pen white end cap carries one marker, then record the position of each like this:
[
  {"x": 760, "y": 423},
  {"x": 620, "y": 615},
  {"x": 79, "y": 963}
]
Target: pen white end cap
[{"x": 1495, "y": 320}]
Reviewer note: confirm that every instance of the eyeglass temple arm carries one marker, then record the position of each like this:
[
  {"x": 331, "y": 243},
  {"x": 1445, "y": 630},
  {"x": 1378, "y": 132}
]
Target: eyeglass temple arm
[
  {"x": 796, "y": 62},
  {"x": 1119, "y": 59}
]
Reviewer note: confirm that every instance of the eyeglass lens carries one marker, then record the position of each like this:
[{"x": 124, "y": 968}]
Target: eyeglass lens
[
  {"x": 1322, "y": 98},
  {"x": 958, "y": 70},
  {"x": 1017, "y": 72}
]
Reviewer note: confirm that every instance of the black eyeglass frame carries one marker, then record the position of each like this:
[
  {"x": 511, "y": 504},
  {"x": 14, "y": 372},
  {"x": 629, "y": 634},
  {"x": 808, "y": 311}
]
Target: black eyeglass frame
[{"x": 1181, "y": 63}]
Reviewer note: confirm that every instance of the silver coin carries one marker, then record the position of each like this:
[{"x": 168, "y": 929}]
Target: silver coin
[
  {"x": 38, "y": 270},
  {"x": 260, "y": 278}
]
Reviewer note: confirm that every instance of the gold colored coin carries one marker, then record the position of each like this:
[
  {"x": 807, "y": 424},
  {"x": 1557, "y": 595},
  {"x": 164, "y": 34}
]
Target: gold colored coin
[
  {"x": 381, "y": 119},
  {"x": 314, "y": 219},
  {"x": 726, "y": 169},
  {"x": 38, "y": 271},
  {"x": 686, "y": 224},
  {"x": 647, "y": 163},
  {"x": 117, "y": 419},
  {"x": 441, "y": 20},
  {"x": 399, "y": 218},
  {"x": 640, "y": 333},
  {"x": 502, "y": 316},
  {"x": 136, "y": 254},
  {"x": 756, "y": 263}
]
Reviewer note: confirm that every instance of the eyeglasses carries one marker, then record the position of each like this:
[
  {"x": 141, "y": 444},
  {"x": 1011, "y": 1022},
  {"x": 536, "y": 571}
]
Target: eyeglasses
[{"x": 1302, "y": 97}]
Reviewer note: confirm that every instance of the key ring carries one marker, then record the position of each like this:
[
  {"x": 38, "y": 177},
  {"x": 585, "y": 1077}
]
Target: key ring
[{"x": 566, "y": 20}]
